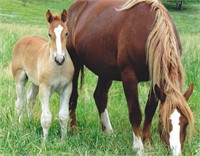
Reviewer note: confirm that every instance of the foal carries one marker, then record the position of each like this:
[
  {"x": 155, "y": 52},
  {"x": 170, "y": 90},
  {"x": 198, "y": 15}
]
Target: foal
[{"x": 49, "y": 67}]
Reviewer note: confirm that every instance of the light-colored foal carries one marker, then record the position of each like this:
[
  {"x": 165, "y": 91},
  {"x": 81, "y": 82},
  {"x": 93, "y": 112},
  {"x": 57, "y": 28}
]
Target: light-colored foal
[{"x": 49, "y": 67}]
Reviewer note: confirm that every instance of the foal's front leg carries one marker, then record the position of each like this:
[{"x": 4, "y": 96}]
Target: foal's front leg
[
  {"x": 46, "y": 117},
  {"x": 64, "y": 109}
]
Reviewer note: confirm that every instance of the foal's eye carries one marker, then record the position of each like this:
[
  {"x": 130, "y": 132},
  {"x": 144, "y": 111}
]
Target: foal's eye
[
  {"x": 66, "y": 34},
  {"x": 49, "y": 34}
]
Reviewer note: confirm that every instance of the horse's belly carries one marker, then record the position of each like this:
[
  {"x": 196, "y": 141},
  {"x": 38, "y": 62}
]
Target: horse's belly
[{"x": 110, "y": 72}]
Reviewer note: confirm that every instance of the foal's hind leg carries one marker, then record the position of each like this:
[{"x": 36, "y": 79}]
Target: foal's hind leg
[
  {"x": 31, "y": 97},
  {"x": 64, "y": 109},
  {"x": 150, "y": 109},
  {"x": 101, "y": 97},
  {"x": 130, "y": 86},
  {"x": 20, "y": 81}
]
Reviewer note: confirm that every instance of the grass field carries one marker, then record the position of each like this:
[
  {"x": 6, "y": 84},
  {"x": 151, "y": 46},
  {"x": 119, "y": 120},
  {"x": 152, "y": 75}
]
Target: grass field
[{"x": 17, "y": 20}]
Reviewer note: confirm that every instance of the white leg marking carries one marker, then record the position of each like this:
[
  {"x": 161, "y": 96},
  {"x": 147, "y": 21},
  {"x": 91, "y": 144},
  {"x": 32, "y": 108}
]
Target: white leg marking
[
  {"x": 105, "y": 121},
  {"x": 138, "y": 145},
  {"x": 64, "y": 109},
  {"x": 174, "y": 135}
]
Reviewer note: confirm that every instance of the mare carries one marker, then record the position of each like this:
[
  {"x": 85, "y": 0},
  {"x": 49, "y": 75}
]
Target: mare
[
  {"x": 132, "y": 41},
  {"x": 49, "y": 67}
]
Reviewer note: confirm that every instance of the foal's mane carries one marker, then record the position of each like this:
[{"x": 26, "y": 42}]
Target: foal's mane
[{"x": 163, "y": 58}]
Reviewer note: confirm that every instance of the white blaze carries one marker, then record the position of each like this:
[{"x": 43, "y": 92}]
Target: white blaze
[
  {"x": 174, "y": 135},
  {"x": 58, "y": 31}
]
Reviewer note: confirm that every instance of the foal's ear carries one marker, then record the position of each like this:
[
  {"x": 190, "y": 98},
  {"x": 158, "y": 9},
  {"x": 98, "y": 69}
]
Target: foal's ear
[
  {"x": 159, "y": 93},
  {"x": 64, "y": 15},
  {"x": 188, "y": 93},
  {"x": 49, "y": 16}
]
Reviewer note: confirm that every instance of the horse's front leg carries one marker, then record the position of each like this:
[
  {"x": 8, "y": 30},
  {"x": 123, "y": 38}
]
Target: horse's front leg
[
  {"x": 46, "y": 117},
  {"x": 150, "y": 109},
  {"x": 101, "y": 98},
  {"x": 130, "y": 85},
  {"x": 64, "y": 109}
]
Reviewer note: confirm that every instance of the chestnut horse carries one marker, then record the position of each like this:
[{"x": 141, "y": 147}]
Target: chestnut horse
[
  {"x": 132, "y": 41},
  {"x": 49, "y": 67}
]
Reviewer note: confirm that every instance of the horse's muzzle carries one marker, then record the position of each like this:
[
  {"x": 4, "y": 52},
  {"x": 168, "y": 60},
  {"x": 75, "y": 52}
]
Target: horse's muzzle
[{"x": 59, "y": 60}]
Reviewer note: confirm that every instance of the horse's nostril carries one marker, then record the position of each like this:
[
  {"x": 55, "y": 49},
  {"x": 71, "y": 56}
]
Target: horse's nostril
[{"x": 59, "y": 60}]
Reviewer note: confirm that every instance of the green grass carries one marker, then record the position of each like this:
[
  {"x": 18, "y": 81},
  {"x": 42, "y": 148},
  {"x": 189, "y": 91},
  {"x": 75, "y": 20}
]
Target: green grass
[{"x": 25, "y": 139}]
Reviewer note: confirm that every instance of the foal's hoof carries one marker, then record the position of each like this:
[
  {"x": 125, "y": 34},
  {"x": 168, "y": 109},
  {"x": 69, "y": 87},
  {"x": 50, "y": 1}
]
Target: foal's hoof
[{"x": 108, "y": 131}]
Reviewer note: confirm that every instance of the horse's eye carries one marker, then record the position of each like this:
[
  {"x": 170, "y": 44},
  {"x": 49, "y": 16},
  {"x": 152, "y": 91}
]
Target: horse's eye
[
  {"x": 66, "y": 33},
  {"x": 49, "y": 34}
]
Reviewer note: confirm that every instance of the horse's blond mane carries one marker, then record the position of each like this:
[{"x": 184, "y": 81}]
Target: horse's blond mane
[{"x": 163, "y": 58}]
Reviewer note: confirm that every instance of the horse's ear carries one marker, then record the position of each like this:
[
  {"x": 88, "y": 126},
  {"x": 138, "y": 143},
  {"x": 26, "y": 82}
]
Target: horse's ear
[
  {"x": 188, "y": 93},
  {"x": 49, "y": 16},
  {"x": 159, "y": 93},
  {"x": 64, "y": 15}
]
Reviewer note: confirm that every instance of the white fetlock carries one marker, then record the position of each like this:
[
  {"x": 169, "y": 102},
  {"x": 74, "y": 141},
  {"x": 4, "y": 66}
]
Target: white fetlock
[
  {"x": 138, "y": 145},
  {"x": 105, "y": 121}
]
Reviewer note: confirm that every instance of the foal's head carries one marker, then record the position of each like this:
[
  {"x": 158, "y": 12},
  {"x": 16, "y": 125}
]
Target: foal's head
[
  {"x": 174, "y": 119},
  {"x": 58, "y": 34}
]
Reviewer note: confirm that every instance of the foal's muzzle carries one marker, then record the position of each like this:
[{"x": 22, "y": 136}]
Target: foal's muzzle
[{"x": 59, "y": 60}]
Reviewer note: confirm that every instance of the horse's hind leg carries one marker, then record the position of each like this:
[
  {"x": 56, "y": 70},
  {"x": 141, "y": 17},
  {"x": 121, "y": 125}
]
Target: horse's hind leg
[
  {"x": 20, "y": 81},
  {"x": 130, "y": 86},
  {"x": 73, "y": 100},
  {"x": 64, "y": 109},
  {"x": 31, "y": 97},
  {"x": 150, "y": 109},
  {"x": 101, "y": 97}
]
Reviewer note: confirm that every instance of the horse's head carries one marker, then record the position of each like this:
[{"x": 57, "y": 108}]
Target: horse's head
[
  {"x": 173, "y": 121},
  {"x": 58, "y": 34}
]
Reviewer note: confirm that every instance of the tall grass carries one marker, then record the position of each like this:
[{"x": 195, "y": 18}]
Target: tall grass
[{"x": 25, "y": 138}]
